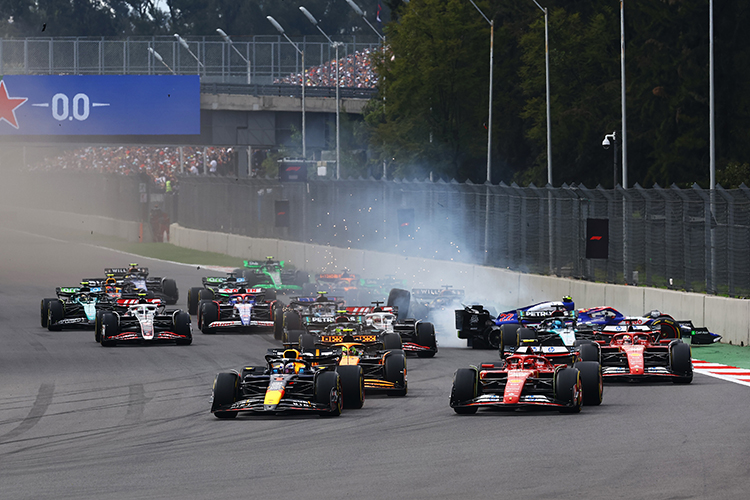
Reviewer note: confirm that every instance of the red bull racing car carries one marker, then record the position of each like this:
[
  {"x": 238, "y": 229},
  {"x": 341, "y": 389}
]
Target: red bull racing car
[{"x": 287, "y": 384}]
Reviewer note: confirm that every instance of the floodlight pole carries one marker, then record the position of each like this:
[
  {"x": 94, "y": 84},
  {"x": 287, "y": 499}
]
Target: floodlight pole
[
  {"x": 489, "y": 118},
  {"x": 335, "y": 45},
  {"x": 187, "y": 47},
  {"x": 304, "y": 77},
  {"x": 158, "y": 57},
  {"x": 231, "y": 44}
]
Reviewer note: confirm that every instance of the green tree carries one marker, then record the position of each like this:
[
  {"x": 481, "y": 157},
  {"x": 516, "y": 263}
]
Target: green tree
[
  {"x": 427, "y": 119},
  {"x": 584, "y": 85}
]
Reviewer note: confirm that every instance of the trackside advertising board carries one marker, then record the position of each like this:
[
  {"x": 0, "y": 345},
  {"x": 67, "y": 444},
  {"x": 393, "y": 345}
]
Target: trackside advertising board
[{"x": 100, "y": 105}]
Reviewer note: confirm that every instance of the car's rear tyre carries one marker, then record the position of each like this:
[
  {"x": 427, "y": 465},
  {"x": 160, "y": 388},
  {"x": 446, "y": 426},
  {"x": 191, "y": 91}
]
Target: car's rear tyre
[
  {"x": 269, "y": 294},
  {"x": 306, "y": 341},
  {"x": 209, "y": 312},
  {"x": 395, "y": 371},
  {"x": 278, "y": 323},
  {"x": 527, "y": 337},
  {"x": 680, "y": 362},
  {"x": 352, "y": 385},
  {"x": 568, "y": 389},
  {"x": 205, "y": 294},
  {"x": 110, "y": 327},
  {"x": 182, "y": 327},
  {"x": 591, "y": 381},
  {"x": 465, "y": 388},
  {"x": 426, "y": 338},
  {"x": 193, "y": 297},
  {"x": 392, "y": 341},
  {"x": 509, "y": 336},
  {"x": 226, "y": 386},
  {"x": 293, "y": 337},
  {"x": 98, "y": 326},
  {"x": 169, "y": 288},
  {"x": 292, "y": 322},
  {"x": 668, "y": 327},
  {"x": 328, "y": 393},
  {"x": 55, "y": 312},
  {"x": 401, "y": 299},
  {"x": 590, "y": 352},
  {"x": 45, "y": 311}
]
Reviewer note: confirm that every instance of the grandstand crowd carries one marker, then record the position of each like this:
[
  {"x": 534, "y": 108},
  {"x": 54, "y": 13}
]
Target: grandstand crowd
[
  {"x": 161, "y": 164},
  {"x": 355, "y": 71}
]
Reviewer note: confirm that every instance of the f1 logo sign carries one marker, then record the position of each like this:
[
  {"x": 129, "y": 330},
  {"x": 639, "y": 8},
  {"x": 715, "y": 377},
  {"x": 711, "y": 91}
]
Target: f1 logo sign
[{"x": 597, "y": 238}]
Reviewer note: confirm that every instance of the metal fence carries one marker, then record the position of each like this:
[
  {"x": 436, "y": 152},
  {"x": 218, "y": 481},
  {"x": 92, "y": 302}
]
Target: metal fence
[
  {"x": 270, "y": 57},
  {"x": 680, "y": 238},
  {"x": 667, "y": 238}
]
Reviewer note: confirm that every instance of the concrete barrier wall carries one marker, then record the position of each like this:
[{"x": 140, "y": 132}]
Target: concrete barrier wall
[
  {"x": 485, "y": 285},
  {"x": 507, "y": 289}
]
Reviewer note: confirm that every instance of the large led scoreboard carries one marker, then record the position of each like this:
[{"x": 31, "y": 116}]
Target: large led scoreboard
[{"x": 73, "y": 105}]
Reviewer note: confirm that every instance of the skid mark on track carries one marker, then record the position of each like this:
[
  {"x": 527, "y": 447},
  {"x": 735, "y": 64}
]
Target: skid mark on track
[
  {"x": 36, "y": 344},
  {"x": 136, "y": 404},
  {"x": 43, "y": 400}
]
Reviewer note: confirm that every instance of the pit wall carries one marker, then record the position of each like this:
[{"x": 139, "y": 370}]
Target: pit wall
[{"x": 502, "y": 288}]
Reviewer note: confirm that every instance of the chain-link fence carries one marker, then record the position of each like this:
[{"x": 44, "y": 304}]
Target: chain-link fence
[
  {"x": 666, "y": 239},
  {"x": 258, "y": 59},
  {"x": 680, "y": 238}
]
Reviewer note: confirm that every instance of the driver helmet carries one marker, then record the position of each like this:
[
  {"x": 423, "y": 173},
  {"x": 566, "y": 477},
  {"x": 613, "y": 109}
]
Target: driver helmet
[
  {"x": 354, "y": 351},
  {"x": 626, "y": 339},
  {"x": 289, "y": 367},
  {"x": 277, "y": 367},
  {"x": 654, "y": 314},
  {"x": 558, "y": 323}
]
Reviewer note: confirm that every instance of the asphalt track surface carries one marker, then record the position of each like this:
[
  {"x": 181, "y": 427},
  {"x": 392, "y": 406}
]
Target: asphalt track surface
[{"x": 79, "y": 421}]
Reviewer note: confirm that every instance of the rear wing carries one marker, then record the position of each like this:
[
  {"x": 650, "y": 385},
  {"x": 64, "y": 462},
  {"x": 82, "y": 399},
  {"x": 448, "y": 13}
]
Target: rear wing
[
  {"x": 218, "y": 281},
  {"x": 122, "y": 271},
  {"x": 68, "y": 291},
  {"x": 431, "y": 293}
]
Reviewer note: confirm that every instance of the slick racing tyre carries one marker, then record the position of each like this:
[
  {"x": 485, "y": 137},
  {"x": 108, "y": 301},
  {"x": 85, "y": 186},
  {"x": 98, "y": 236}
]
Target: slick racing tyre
[
  {"x": 401, "y": 299},
  {"x": 680, "y": 362},
  {"x": 278, "y": 323},
  {"x": 225, "y": 394},
  {"x": 45, "y": 311},
  {"x": 55, "y": 312},
  {"x": 205, "y": 294},
  {"x": 192, "y": 300},
  {"x": 591, "y": 382},
  {"x": 589, "y": 351},
  {"x": 465, "y": 388},
  {"x": 306, "y": 342},
  {"x": 109, "y": 328},
  {"x": 352, "y": 385},
  {"x": 182, "y": 327},
  {"x": 169, "y": 288},
  {"x": 568, "y": 389},
  {"x": 392, "y": 341},
  {"x": 395, "y": 371},
  {"x": 209, "y": 312},
  {"x": 328, "y": 393},
  {"x": 426, "y": 338},
  {"x": 509, "y": 336},
  {"x": 527, "y": 337},
  {"x": 668, "y": 327}
]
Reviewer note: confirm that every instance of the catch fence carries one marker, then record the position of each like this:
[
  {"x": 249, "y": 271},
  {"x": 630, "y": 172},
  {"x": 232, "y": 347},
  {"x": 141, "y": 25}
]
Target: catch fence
[
  {"x": 259, "y": 60},
  {"x": 686, "y": 239}
]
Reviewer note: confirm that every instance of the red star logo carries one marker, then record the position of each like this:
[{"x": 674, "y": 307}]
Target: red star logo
[{"x": 8, "y": 106}]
